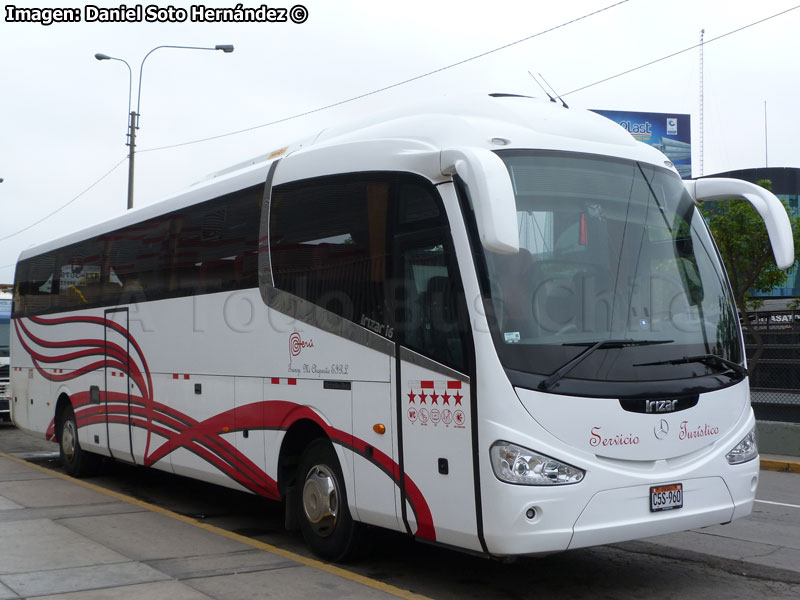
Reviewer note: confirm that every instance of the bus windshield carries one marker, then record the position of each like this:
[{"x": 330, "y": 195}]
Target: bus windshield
[{"x": 611, "y": 251}]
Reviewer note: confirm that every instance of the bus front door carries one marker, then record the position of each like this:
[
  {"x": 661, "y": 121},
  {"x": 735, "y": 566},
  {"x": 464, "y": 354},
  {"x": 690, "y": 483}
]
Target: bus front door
[{"x": 437, "y": 492}]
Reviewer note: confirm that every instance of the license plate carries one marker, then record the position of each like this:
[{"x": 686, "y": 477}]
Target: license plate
[{"x": 666, "y": 497}]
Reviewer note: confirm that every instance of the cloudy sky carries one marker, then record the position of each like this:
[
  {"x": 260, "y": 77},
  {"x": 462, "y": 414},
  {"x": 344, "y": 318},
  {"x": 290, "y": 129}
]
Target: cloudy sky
[{"x": 63, "y": 114}]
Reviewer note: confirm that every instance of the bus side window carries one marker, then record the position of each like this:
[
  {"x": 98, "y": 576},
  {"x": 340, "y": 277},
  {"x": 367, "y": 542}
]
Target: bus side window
[
  {"x": 36, "y": 285},
  {"x": 428, "y": 304},
  {"x": 80, "y": 276},
  {"x": 427, "y": 288},
  {"x": 328, "y": 244}
]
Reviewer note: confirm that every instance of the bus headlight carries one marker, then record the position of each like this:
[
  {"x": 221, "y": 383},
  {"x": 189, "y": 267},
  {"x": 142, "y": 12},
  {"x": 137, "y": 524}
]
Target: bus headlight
[
  {"x": 745, "y": 450},
  {"x": 515, "y": 464}
]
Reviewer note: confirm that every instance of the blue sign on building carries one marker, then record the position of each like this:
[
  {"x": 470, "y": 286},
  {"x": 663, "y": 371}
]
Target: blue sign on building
[{"x": 669, "y": 132}]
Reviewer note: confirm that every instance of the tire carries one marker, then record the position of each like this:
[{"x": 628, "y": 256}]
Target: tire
[
  {"x": 76, "y": 461},
  {"x": 322, "y": 509}
]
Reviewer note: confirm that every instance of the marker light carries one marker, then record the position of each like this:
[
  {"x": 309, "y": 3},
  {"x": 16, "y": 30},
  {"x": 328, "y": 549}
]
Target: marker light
[
  {"x": 744, "y": 451},
  {"x": 515, "y": 464}
]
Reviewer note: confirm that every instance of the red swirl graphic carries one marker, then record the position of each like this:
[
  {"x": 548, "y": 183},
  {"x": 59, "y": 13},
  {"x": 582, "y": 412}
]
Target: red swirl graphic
[
  {"x": 295, "y": 344},
  {"x": 204, "y": 438}
]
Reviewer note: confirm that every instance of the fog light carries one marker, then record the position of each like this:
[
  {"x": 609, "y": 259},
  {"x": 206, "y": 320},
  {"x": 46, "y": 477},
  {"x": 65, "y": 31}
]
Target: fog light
[{"x": 531, "y": 513}]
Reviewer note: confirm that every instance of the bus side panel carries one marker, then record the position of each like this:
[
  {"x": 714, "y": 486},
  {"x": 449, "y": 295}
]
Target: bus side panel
[
  {"x": 249, "y": 411},
  {"x": 20, "y": 378},
  {"x": 40, "y": 403},
  {"x": 209, "y": 412},
  {"x": 19, "y": 398},
  {"x": 92, "y": 431},
  {"x": 374, "y": 468},
  {"x": 33, "y": 405}
]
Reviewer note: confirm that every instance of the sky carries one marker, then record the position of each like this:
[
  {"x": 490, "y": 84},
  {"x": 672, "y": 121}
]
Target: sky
[{"x": 63, "y": 114}]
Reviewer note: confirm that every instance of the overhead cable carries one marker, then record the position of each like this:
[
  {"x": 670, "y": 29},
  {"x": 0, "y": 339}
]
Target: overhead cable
[
  {"x": 668, "y": 56},
  {"x": 392, "y": 86},
  {"x": 66, "y": 204}
]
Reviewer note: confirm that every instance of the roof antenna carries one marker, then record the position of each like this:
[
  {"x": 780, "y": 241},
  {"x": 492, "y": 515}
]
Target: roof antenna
[
  {"x": 564, "y": 104},
  {"x": 541, "y": 86}
]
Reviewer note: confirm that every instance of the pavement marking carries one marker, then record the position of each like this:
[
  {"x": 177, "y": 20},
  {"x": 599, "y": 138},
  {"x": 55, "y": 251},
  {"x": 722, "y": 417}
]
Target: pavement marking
[
  {"x": 778, "y": 503},
  {"x": 304, "y": 560}
]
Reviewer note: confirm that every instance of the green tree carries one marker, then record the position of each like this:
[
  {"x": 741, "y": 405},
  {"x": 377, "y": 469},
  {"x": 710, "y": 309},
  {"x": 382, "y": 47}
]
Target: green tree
[{"x": 743, "y": 242}]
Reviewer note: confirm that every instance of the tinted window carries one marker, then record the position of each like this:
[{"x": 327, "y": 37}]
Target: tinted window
[
  {"x": 139, "y": 261},
  {"x": 204, "y": 248},
  {"x": 373, "y": 249},
  {"x": 213, "y": 248},
  {"x": 416, "y": 207},
  {"x": 328, "y": 244},
  {"x": 36, "y": 285},
  {"x": 427, "y": 299},
  {"x": 80, "y": 277}
]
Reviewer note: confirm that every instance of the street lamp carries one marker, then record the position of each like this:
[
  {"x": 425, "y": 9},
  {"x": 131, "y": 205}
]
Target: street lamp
[{"x": 133, "y": 116}]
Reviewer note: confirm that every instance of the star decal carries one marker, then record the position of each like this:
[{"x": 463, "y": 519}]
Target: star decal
[
  {"x": 458, "y": 397},
  {"x": 411, "y": 397}
]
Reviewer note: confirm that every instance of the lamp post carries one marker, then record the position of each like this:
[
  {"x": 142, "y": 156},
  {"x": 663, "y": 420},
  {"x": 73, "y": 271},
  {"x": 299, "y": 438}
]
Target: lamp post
[{"x": 133, "y": 116}]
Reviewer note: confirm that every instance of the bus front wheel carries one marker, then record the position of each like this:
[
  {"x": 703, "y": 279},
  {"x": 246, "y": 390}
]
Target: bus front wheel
[
  {"x": 324, "y": 516},
  {"x": 75, "y": 460}
]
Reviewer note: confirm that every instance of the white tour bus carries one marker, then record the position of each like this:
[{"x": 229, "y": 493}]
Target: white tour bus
[{"x": 496, "y": 324}]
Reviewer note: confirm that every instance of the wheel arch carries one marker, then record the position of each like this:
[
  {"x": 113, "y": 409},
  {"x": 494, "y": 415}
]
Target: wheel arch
[
  {"x": 61, "y": 403},
  {"x": 297, "y": 438}
]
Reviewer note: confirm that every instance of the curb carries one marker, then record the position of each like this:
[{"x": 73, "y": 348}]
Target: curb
[{"x": 786, "y": 466}]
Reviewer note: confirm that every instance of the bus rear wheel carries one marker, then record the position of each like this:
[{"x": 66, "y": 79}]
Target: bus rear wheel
[
  {"x": 324, "y": 516},
  {"x": 75, "y": 460}
]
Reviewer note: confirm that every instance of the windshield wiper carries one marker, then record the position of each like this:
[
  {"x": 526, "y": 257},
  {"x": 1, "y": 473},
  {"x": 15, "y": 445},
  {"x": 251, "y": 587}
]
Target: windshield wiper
[
  {"x": 713, "y": 359},
  {"x": 548, "y": 383}
]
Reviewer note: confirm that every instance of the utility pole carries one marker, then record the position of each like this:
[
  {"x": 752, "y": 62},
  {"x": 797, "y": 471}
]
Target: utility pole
[
  {"x": 702, "y": 33},
  {"x": 766, "y": 146},
  {"x": 133, "y": 122},
  {"x": 131, "y": 154}
]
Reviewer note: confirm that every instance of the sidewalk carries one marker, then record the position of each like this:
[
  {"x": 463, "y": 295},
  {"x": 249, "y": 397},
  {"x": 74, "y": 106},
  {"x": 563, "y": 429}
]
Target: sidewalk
[{"x": 65, "y": 538}]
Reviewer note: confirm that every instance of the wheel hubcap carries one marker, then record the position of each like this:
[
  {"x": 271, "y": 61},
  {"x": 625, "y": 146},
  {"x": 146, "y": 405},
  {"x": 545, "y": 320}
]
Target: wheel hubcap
[
  {"x": 321, "y": 500},
  {"x": 68, "y": 440}
]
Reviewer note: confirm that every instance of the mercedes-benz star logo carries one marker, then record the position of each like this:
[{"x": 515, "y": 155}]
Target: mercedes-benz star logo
[{"x": 661, "y": 429}]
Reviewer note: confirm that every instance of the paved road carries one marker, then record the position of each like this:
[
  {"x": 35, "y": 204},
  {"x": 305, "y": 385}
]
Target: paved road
[{"x": 758, "y": 557}]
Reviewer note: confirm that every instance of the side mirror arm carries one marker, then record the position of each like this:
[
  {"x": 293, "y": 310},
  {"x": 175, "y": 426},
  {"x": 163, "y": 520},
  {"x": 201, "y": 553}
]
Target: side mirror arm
[{"x": 768, "y": 206}]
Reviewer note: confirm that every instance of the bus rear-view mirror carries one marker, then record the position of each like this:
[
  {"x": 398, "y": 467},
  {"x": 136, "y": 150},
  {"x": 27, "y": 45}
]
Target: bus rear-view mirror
[
  {"x": 491, "y": 193},
  {"x": 766, "y": 204}
]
